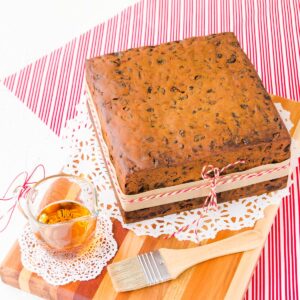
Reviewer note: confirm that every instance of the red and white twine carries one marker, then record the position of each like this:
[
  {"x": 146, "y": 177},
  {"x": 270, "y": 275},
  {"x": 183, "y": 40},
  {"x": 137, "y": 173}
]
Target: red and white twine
[
  {"x": 212, "y": 174},
  {"x": 18, "y": 192}
]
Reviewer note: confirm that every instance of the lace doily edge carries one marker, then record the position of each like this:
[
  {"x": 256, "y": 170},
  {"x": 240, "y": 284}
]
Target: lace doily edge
[
  {"x": 284, "y": 192},
  {"x": 75, "y": 278}
]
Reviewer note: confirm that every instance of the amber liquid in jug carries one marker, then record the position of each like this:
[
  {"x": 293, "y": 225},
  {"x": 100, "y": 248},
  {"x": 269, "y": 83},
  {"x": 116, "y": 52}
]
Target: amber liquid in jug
[{"x": 71, "y": 234}]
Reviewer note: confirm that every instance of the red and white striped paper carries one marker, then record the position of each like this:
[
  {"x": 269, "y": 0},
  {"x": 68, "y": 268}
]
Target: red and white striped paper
[{"x": 268, "y": 32}]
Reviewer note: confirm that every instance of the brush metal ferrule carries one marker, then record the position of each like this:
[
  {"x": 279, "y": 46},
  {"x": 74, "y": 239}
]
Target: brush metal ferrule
[{"x": 154, "y": 267}]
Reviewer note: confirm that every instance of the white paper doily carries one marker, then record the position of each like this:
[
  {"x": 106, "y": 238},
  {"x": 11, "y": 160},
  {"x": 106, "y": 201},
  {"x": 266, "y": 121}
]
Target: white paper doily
[
  {"x": 85, "y": 158},
  {"x": 62, "y": 269}
]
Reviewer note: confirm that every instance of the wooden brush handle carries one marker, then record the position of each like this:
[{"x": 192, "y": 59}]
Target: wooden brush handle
[{"x": 178, "y": 261}]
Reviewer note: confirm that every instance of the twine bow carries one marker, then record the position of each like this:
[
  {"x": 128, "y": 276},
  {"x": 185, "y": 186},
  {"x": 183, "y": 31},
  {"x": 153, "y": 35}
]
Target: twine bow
[
  {"x": 213, "y": 174},
  {"x": 20, "y": 191}
]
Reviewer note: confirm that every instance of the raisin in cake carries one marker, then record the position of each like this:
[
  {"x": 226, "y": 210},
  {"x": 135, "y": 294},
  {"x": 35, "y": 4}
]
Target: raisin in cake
[{"x": 167, "y": 111}]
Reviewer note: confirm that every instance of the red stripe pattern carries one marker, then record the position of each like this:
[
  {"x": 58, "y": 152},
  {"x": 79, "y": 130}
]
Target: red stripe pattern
[{"x": 268, "y": 32}]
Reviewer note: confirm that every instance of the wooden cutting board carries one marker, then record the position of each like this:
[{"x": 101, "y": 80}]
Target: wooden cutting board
[{"x": 222, "y": 278}]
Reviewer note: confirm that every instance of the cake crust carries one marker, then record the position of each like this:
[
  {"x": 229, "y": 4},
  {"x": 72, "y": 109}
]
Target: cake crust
[{"x": 166, "y": 111}]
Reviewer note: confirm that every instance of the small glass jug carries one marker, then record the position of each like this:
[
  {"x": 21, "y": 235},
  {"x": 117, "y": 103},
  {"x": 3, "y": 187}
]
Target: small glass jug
[{"x": 62, "y": 211}]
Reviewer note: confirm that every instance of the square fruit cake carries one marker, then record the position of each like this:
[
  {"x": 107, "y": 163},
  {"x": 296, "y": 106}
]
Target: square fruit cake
[{"x": 168, "y": 110}]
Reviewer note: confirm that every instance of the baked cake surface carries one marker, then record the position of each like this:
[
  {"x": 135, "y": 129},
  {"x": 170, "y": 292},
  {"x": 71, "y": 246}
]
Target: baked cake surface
[{"x": 166, "y": 111}]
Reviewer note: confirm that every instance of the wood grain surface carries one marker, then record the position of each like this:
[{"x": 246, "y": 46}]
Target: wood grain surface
[{"x": 221, "y": 278}]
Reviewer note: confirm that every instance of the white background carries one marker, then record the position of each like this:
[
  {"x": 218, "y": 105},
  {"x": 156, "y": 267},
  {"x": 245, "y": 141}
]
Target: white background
[{"x": 28, "y": 30}]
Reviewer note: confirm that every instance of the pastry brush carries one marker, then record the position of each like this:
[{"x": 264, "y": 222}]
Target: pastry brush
[{"x": 166, "y": 264}]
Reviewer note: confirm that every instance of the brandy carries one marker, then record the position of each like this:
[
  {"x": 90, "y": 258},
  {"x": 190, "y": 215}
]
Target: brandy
[
  {"x": 62, "y": 211},
  {"x": 70, "y": 225}
]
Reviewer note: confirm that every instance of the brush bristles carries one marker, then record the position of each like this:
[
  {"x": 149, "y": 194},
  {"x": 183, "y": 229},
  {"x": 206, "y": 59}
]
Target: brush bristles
[{"x": 127, "y": 275}]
